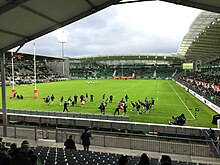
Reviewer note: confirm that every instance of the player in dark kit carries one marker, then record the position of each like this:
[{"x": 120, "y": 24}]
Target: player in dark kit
[
  {"x": 110, "y": 98},
  {"x": 75, "y": 99},
  {"x": 152, "y": 103},
  {"x": 91, "y": 98},
  {"x": 125, "y": 109},
  {"x": 102, "y": 108},
  {"x": 65, "y": 106},
  {"x": 117, "y": 110},
  {"x": 126, "y": 98},
  {"x": 52, "y": 99},
  {"x": 61, "y": 100},
  {"x": 81, "y": 98},
  {"x": 133, "y": 104},
  {"x": 138, "y": 108}
]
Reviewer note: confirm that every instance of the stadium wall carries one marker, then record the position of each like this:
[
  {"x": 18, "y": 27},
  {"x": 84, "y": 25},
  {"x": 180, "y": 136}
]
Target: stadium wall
[{"x": 201, "y": 98}]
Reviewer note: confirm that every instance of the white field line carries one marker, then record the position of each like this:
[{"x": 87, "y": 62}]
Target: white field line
[{"x": 181, "y": 100}]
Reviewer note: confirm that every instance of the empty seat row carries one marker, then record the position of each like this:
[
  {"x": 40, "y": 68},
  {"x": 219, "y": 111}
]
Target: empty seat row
[{"x": 52, "y": 155}]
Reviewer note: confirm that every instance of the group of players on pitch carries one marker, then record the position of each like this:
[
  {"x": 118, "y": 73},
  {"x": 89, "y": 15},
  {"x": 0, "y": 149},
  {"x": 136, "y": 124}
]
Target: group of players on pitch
[{"x": 147, "y": 105}]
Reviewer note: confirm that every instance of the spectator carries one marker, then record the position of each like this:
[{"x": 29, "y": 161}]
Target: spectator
[
  {"x": 31, "y": 154},
  {"x": 165, "y": 160},
  {"x": 123, "y": 160},
  {"x": 4, "y": 158},
  {"x": 22, "y": 157},
  {"x": 85, "y": 137},
  {"x": 69, "y": 143},
  {"x": 144, "y": 160},
  {"x": 13, "y": 149}
]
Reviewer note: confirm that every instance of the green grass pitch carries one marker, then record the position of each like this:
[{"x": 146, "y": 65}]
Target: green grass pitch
[{"x": 170, "y": 99}]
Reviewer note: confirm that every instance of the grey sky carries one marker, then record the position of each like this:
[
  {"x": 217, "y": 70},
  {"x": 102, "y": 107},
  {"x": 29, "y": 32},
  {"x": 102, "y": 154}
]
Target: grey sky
[{"x": 147, "y": 27}]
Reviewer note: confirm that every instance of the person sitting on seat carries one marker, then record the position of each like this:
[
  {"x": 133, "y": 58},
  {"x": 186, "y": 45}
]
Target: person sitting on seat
[
  {"x": 69, "y": 143},
  {"x": 123, "y": 160}
]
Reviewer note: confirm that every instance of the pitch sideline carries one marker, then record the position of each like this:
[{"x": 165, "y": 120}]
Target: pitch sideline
[{"x": 181, "y": 100}]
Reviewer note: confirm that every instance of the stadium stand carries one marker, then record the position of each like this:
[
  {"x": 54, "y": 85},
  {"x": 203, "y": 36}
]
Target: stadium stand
[
  {"x": 203, "y": 84},
  {"x": 24, "y": 69},
  {"x": 81, "y": 67},
  {"x": 59, "y": 156}
]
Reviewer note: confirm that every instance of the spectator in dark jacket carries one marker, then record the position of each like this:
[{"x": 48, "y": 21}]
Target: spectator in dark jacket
[
  {"x": 13, "y": 149},
  {"x": 123, "y": 160},
  {"x": 69, "y": 143},
  {"x": 165, "y": 160},
  {"x": 4, "y": 158},
  {"x": 85, "y": 137},
  {"x": 144, "y": 160},
  {"x": 22, "y": 157}
]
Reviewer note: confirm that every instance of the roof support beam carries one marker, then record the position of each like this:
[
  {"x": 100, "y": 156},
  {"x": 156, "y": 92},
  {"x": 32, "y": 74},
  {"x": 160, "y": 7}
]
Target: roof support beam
[
  {"x": 59, "y": 25},
  {"x": 12, "y": 33},
  {"x": 133, "y": 1},
  {"x": 90, "y": 3},
  {"x": 39, "y": 14},
  {"x": 11, "y": 5}
]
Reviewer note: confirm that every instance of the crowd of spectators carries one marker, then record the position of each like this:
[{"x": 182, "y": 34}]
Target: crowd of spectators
[
  {"x": 144, "y": 160},
  {"x": 24, "y": 74},
  {"x": 203, "y": 84},
  {"x": 14, "y": 155}
]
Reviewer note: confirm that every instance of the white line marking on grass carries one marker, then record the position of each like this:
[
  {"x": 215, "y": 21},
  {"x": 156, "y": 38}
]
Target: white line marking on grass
[{"x": 181, "y": 100}]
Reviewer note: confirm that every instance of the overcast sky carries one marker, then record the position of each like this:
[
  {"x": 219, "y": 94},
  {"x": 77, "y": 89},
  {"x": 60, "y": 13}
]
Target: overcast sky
[{"x": 144, "y": 27}]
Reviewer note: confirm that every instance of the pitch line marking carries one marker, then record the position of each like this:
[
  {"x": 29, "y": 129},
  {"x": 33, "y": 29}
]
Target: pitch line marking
[{"x": 181, "y": 100}]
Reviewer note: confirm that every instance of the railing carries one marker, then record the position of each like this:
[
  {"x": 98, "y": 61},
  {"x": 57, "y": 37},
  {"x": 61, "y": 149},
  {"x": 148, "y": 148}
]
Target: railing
[
  {"x": 110, "y": 125},
  {"x": 74, "y": 115},
  {"x": 118, "y": 140},
  {"x": 213, "y": 145}
]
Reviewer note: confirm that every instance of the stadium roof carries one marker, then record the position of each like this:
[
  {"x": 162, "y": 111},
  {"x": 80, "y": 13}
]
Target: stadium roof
[
  {"x": 203, "y": 39},
  {"x": 25, "y": 20},
  {"x": 39, "y": 57},
  {"x": 157, "y": 57}
]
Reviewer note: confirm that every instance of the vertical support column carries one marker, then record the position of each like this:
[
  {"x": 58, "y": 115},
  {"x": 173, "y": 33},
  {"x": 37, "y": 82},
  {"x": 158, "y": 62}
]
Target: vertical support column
[
  {"x": 35, "y": 133},
  {"x": 56, "y": 136},
  {"x": 15, "y": 132},
  {"x": 4, "y": 110}
]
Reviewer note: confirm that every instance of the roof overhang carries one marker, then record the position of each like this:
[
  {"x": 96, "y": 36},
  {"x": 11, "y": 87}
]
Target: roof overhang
[
  {"x": 209, "y": 5},
  {"x": 203, "y": 39},
  {"x": 147, "y": 57},
  {"x": 25, "y": 20}
]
